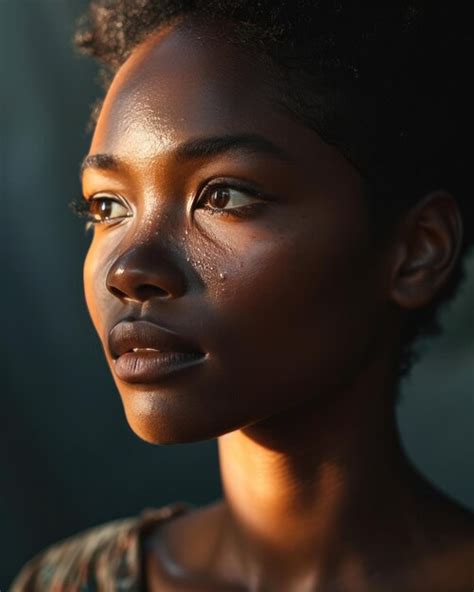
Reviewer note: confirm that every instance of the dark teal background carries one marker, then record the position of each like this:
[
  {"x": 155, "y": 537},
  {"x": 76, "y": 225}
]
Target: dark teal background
[{"x": 68, "y": 459}]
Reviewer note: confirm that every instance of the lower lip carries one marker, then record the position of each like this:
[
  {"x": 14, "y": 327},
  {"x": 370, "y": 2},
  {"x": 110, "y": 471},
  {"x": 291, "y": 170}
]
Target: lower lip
[{"x": 153, "y": 366}]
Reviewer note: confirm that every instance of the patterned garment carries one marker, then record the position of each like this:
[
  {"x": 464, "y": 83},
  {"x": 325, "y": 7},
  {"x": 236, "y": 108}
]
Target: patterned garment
[{"x": 105, "y": 558}]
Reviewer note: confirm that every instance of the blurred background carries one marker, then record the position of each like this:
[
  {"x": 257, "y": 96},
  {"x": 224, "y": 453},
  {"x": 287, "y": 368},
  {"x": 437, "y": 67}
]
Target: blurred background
[{"x": 68, "y": 459}]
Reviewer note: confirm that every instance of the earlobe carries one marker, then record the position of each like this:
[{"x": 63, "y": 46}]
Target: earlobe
[{"x": 427, "y": 249}]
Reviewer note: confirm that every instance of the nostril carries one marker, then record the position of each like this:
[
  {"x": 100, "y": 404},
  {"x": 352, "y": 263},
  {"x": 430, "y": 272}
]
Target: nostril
[
  {"x": 116, "y": 292},
  {"x": 146, "y": 291},
  {"x": 140, "y": 292}
]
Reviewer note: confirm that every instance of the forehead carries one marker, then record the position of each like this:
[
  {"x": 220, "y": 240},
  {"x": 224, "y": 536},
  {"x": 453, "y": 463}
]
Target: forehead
[
  {"x": 189, "y": 81},
  {"x": 181, "y": 81}
]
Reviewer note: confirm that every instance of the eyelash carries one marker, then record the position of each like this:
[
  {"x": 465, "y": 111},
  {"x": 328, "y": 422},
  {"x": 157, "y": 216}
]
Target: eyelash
[
  {"x": 83, "y": 206},
  {"x": 236, "y": 212}
]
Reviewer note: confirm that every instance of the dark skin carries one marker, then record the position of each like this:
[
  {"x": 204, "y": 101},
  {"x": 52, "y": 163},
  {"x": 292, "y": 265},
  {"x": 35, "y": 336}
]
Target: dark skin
[{"x": 299, "y": 313}]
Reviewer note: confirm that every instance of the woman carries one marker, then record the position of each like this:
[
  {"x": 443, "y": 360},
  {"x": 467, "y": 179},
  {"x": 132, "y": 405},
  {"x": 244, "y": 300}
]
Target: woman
[{"x": 278, "y": 192}]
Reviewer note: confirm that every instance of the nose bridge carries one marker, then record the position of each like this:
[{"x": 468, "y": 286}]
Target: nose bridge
[{"x": 147, "y": 263}]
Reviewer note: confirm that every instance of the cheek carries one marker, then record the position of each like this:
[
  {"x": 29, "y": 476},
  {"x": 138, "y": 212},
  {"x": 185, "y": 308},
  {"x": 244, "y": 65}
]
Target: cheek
[
  {"x": 95, "y": 293},
  {"x": 301, "y": 308}
]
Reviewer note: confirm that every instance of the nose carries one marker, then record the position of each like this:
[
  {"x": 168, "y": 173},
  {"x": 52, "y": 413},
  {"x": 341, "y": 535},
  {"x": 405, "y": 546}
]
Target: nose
[{"x": 141, "y": 273}]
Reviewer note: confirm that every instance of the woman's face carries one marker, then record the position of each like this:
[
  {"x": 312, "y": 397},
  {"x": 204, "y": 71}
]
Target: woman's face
[{"x": 272, "y": 278}]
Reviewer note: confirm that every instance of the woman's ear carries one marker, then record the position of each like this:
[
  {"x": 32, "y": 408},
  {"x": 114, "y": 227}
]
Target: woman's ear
[{"x": 428, "y": 245}]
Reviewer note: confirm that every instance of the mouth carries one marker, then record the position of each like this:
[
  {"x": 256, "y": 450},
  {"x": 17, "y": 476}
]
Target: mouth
[
  {"x": 138, "y": 349},
  {"x": 144, "y": 352}
]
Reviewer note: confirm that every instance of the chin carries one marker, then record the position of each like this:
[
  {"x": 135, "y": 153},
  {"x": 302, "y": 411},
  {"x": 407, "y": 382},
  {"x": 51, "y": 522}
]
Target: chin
[{"x": 157, "y": 420}]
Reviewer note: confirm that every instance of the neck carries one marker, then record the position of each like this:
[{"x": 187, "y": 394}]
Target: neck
[{"x": 307, "y": 489}]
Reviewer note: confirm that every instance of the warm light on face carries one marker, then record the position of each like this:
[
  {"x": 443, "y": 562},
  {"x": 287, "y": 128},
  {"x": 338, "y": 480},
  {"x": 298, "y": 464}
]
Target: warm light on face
[{"x": 245, "y": 233}]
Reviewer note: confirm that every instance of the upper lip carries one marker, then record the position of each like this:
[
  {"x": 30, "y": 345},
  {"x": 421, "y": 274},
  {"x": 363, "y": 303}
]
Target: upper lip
[{"x": 128, "y": 335}]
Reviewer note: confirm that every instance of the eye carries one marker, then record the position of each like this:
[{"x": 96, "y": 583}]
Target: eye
[
  {"x": 101, "y": 208},
  {"x": 224, "y": 199}
]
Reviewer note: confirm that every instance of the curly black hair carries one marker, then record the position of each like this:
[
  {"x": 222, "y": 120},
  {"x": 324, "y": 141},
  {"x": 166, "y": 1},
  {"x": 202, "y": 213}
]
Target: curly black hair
[{"x": 385, "y": 82}]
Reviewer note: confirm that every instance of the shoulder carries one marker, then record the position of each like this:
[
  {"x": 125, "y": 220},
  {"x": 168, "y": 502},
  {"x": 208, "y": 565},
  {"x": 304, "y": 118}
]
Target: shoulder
[
  {"x": 104, "y": 557},
  {"x": 448, "y": 564},
  {"x": 450, "y": 570}
]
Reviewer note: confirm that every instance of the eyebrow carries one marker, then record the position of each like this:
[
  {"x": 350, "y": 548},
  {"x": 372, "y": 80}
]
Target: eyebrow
[{"x": 199, "y": 148}]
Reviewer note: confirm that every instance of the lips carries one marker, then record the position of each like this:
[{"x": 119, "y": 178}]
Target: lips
[
  {"x": 141, "y": 335},
  {"x": 144, "y": 352}
]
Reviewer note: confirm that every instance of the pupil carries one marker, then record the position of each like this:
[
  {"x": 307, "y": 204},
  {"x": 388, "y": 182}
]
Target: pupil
[
  {"x": 105, "y": 208},
  {"x": 219, "y": 198}
]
